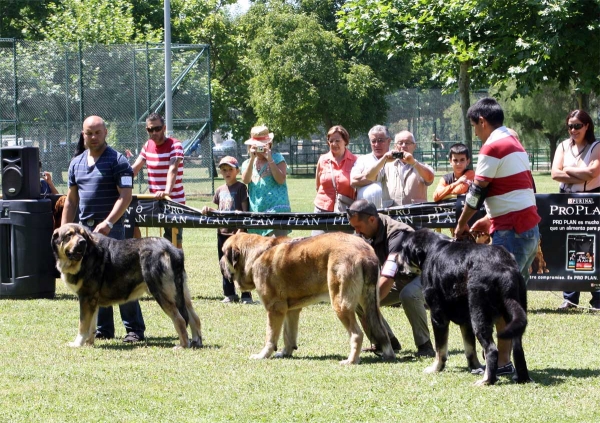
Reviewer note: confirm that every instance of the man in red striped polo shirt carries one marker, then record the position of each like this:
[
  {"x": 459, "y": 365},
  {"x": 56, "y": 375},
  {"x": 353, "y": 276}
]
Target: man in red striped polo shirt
[
  {"x": 504, "y": 183},
  {"x": 164, "y": 159}
]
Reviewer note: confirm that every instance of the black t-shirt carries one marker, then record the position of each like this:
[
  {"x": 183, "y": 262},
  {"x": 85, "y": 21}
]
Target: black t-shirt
[{"x": 230, "y": 198}]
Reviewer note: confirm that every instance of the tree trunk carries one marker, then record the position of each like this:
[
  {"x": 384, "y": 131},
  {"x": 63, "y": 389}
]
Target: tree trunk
[
  {"x": 583, "y": 101},
  {"x": 465, "y": 103}
]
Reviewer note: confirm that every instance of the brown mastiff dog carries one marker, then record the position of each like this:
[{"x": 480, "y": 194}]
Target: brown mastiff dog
[{"x": 291, "y": 274}]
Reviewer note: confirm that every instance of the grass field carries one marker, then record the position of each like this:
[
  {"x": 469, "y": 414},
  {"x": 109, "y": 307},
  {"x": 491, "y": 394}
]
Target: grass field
[{"x": 42, "y": 379}]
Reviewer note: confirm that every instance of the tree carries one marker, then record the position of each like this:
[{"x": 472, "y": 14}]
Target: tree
[
  {"x": 474, "y": 42},
  {"x": 22, "y": 19},
  {"x": 560, "y": 48},
  {"x": 540, "y": 115},
  {"x": 300, "y": 81},
  {"x": 455, "y": 33},
  {"x": 93, "y": 21},
  {"x": 208, "y": 22}
]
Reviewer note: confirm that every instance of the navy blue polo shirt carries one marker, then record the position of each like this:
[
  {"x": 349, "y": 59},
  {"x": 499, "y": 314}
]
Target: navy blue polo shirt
[{"x": 97, "y": 184}]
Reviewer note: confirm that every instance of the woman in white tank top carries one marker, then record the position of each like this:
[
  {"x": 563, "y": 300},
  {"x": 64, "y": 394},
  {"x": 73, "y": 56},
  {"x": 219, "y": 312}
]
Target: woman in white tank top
[
  {"x": 576, "y": 166},
  {"x": 576, "y": 162}
]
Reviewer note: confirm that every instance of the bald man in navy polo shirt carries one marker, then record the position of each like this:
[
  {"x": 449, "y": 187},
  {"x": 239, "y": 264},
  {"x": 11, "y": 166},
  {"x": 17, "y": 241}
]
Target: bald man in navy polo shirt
[{"x": 100, "y": 185}]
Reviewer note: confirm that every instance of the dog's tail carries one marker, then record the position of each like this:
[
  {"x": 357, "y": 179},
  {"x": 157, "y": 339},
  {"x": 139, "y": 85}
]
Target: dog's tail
[
  {"x": 372, "y": 314},
  {"x": 166, "y": 267},
  {"x": 180, "y": 286},
  {"x": 517, "y": 311}
]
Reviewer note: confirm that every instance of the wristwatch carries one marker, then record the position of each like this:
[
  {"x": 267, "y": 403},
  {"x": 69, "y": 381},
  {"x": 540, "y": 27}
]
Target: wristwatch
[{"x": 110, "y": 225}]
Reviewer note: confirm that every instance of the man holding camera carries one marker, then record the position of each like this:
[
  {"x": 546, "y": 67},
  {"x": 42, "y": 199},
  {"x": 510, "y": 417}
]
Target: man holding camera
[{"x": 406, "y": 178}]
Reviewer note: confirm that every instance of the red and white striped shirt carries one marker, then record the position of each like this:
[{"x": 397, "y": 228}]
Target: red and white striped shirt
[
  {"x": 157, "y": 159},
  {"x": 510, "y": 201}
]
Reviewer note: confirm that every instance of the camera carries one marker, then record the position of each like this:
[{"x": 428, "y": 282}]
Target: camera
[
  {"x": 42, "y": 174},
  {"x": 260, "y": 149},
  {"x": 398, "y": 154}
]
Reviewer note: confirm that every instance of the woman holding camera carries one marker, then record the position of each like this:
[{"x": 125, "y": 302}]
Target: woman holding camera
[
  {"x": 332, "y": 176},
  {"x": 265, "y": 174},
  {"x": 576, "y": 166}
]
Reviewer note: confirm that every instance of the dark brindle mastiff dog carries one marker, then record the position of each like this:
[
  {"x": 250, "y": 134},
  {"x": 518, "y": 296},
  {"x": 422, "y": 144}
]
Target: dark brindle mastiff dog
[
  {"x": 472, "y": 285},
  {"x": 291, "y": 274},
  {"x": 103, "y": 271}
]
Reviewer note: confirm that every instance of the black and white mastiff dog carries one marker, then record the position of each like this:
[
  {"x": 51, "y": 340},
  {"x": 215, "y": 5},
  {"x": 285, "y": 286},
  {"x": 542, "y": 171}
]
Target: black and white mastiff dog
[
  {"x": 103, "y": 271},
  {"x": 291, "y": 274},
  {"x": 472, "y": 285}
]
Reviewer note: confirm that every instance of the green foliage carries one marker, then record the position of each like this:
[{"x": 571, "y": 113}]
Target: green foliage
[
  {"x": 559, "y": 46},
  {"x": 539, "y": 117},
  {"x": 94, "y": 21},
  {"x": 301, "y": 82},
  {"x": 21, "y": 19},
  {"x": 207, "y": 22}
]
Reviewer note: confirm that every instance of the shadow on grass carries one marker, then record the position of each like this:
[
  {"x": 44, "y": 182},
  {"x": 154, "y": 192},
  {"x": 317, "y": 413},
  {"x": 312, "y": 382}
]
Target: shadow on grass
[
  {"x": 65, "y": 296},
  {"x": 579, "y": 310},
  {"x": 552, "y": 376},
  {"x": 155, "y": 341}
]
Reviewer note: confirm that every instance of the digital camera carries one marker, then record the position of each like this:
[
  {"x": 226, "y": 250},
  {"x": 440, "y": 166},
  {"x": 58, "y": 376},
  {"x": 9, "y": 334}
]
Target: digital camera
[
  {"x": 260, "y": 149},
  {"x": 398, "y": 154}
]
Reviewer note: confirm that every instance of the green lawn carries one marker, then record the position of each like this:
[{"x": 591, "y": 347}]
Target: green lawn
[{"x": 44, "y": 380}]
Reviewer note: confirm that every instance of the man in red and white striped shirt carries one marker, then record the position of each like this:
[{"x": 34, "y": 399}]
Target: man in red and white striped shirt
[
  {"x": 504, "y": 181},
  {"x": 164, "y": 159}
]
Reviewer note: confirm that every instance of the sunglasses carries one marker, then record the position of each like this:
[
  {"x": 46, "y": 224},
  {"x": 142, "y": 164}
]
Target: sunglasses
[
  {"x": 576, "y": 126},
  {"x": 155, "y": 129},
  {"x": 379, "y": 141}
]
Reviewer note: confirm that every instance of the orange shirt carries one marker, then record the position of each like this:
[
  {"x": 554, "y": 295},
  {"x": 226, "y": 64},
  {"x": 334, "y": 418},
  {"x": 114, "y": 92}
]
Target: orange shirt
[
  {"x": 325, "y": 198},
  {"x": 445, "y": 189}
]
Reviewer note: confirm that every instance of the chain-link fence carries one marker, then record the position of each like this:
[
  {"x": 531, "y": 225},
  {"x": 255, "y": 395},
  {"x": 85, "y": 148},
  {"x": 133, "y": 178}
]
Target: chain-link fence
[{"x": 47, "y": 89}]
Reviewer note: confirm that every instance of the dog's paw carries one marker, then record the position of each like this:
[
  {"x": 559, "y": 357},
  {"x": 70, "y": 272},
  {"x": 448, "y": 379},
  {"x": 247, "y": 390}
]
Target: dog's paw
[
  {"x": 484, "y": 382},
  {"x": 434, "y": 368},
  {"x": 75, "y": 344},
  {"x": 257, "y": 357},
  {"x": 196, "y": 343}
]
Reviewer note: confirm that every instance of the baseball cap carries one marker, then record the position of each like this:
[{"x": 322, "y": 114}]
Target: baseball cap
[{"x": 228, "y": 160}]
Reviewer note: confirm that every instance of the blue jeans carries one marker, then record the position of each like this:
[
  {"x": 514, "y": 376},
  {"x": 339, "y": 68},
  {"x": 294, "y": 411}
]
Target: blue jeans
[
  {"x": 523, "y": 246},
  {"x": 573, "y": 296},
  {"x": 131, "y": 313}
]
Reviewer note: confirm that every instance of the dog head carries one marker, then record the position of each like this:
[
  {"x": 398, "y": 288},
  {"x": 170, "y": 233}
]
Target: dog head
[
  {"x": 233, "y": 262},
  {"x": 415, "y": 248},
  {"x": 240, "y": 252},
  {"x": 70, "y": 243}
]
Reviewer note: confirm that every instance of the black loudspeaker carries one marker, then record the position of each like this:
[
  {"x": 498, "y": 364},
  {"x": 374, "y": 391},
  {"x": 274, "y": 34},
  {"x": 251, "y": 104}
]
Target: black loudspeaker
[{"x": 20, "y": 173}]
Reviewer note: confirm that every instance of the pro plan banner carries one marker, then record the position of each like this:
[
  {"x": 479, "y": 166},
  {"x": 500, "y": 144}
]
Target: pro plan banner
[
  {"x": 154, "y": 213},
  {"x": 566, "y": 258}
]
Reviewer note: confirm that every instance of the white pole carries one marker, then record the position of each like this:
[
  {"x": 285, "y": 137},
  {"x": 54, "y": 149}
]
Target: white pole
[{"x": 168, "y": 85}]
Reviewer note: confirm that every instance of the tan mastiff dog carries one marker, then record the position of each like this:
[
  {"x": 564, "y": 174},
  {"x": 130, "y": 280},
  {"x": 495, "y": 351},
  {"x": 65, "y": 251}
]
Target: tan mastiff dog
[{"x": 291, "y": 274}]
